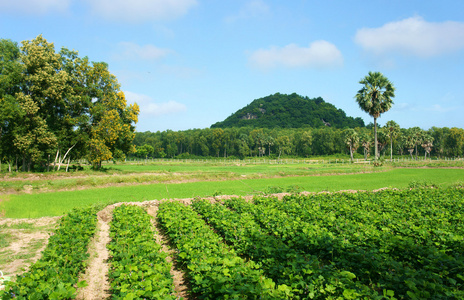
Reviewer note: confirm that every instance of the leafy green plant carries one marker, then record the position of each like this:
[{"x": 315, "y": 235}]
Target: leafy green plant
[
  {"x": 55, "y": 275},
  {"x": 407, "y": 242},
  {"x": 138, "y": 266},
  {"x": 305, "y": 275},
  {"x": 214, "y": 270},
  {"x": 421, "y": 184},
  {"x": 273, "y": 190}
]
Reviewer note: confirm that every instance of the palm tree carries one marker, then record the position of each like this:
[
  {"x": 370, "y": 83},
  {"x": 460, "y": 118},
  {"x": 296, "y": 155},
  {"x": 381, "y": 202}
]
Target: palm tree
[
  {"x": 351, "y": 140},
  {"x": 393, "y": 131},
  {"x": 375, "y": 98}
]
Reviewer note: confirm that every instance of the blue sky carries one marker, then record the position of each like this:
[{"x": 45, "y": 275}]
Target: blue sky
[{"x": 191, "y": 63}]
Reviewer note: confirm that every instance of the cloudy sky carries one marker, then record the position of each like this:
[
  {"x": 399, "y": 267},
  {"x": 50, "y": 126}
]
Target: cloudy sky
[{"x": 191, "y": 63}]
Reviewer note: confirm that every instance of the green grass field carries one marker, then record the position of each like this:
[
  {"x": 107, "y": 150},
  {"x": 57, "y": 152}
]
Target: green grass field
[
  {"x": 37, "y": 205},
  {"x": 168, "y": 172}
]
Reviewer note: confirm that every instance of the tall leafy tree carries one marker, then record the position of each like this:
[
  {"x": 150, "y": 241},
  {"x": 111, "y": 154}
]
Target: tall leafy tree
[
  {"x": 375, "y": 98},
  {"x": 439, "y": 135},
  {"x": 10, "y": 84},
  {"x": 454, "y": 141},
  {"x": 55, "y": 102}
]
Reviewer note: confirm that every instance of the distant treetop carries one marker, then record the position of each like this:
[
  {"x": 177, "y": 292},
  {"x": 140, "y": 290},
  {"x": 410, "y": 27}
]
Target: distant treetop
[{"x": 289, "y": 111}]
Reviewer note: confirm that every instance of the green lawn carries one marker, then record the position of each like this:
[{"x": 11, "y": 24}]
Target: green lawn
[{"x": 57, "y": 203}]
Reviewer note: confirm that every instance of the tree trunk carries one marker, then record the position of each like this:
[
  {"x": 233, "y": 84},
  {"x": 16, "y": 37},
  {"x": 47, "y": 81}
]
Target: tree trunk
[
  {"x": 391, "y": 149},
  {"x": 375, "y": 139},
  {"x": 56, "y": 157},
  {"x": 351, "y": 153}
]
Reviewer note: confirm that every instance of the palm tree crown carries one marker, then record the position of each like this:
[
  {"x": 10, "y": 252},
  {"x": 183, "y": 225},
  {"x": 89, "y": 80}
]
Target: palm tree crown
[{"x": 375, "y": 97}]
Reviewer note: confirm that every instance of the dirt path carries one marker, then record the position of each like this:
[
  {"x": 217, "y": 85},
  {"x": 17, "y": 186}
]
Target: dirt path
[
  {"x": 96, "y": 274},
  {"x": 26, "y": 239},
  {"x": 180, "y": 284}
]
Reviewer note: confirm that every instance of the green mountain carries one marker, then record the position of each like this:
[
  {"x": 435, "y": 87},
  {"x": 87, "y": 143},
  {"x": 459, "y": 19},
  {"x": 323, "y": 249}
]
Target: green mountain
[{"x": 289, "y": 111}]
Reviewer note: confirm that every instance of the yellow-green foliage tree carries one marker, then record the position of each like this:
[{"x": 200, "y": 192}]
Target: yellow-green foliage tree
[
  {"x": 54, "y": 103},
  {"x": 112, "y": 130}
]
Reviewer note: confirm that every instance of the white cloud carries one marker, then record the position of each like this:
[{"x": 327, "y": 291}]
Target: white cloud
[
  {"x": 319, "y": 54},
  {"x": 413, "y": 36},
  {"x": 149, "y": 108},
  {"x": 141, "y": 10},
  {"x": 39, "y": 7},
  {"x": 251, "y": 9},
  {"x": 132, "y": 51}
]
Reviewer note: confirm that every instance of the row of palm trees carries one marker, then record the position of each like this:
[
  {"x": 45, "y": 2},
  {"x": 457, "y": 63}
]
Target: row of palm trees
[{"x": 389, "y": 134}]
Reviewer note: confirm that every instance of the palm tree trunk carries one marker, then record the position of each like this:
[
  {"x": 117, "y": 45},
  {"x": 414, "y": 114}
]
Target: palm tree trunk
[
  {"x": 375, "y": 139},
  {"x": 391, "y": 149},
  {"x": 351, "y": 152}
]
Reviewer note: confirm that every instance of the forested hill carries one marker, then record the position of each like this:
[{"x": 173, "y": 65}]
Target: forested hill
[{"x": 289, "y": 111}]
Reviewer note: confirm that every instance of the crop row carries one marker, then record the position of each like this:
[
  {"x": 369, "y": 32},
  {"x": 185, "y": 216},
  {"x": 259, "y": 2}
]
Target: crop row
[
  {"x": 380, "y": 237},
  {"x": 55, "y": 274},
  {"x": 215, "y": 270},
  {"x": 138, "y": 267},
  {"x": 307, "y": 276}
]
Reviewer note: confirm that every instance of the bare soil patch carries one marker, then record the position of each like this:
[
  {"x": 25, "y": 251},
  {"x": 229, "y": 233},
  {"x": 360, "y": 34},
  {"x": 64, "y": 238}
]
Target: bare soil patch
[
  {"x": 179, "y": 277},
  {"x": 26, "y": 239},
  {"x": 96, "y": 274}
]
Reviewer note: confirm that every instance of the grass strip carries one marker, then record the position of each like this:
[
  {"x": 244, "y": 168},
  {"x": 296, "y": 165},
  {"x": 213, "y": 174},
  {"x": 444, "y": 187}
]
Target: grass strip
[{"x": 59, "y": 203}]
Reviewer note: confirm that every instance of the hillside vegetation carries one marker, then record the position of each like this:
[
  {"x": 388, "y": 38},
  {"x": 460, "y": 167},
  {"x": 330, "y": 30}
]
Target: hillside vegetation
[{"x": 289, "y": 111}]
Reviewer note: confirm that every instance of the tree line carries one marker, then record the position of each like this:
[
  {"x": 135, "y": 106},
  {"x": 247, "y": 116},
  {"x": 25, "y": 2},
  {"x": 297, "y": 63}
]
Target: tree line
[
  {"x": 300, "y": 142},
  {"x": 55, "y": 106}
]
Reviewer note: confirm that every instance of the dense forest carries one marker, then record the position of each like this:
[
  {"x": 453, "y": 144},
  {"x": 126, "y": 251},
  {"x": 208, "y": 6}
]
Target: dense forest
[
  {"x": 55, "y": 106},
  {"x": 303, "y": 142},
  {"x": 289, "y": 111}
]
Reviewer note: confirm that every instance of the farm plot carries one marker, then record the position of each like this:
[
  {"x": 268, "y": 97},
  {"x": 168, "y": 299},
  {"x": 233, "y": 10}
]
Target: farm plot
[
  {"x": 393, "y": 244},
  {"x": 402, "y": 243}
]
